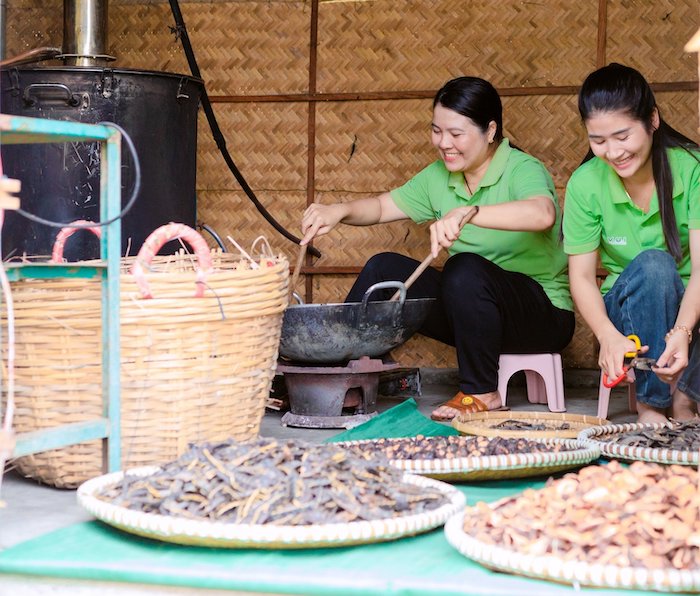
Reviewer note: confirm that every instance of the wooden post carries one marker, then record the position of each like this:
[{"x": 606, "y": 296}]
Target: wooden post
[{"x": 694, "y": 46}]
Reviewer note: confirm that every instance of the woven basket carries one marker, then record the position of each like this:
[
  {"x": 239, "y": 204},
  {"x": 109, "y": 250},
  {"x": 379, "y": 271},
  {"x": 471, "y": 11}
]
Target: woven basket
[
  {"x": 222, "y": 534},
  {"x": 498, "y": 467},
  {"x": 483, "y": 423},
  {"x": 555, "y": 568},
  {"x": 600, "y": 437},
  {"x": 193, "y": 367}
]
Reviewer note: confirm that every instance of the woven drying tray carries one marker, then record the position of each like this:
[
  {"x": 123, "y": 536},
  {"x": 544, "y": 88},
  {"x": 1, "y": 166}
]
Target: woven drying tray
[
  {"x": 262, "y": 536},
  {"x": 482, "y": 423},
  {"x": 551, "y": 567},
  {"x": 496, "y": 467},
  {"x": 592, "y": 437}
]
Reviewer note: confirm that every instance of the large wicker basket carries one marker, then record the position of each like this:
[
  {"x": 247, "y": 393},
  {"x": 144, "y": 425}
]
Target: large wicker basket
[{"x": 193, "y": 368}]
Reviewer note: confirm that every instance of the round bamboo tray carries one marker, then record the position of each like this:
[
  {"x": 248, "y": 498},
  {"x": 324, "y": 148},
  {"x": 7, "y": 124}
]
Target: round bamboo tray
[
  {"x": 262, "y": 536},
  {"x": 594, "y": 437},
  {"x": 496, "y": 467},
  {"x": 576, "y": 573},
  {"x": 483, "y": 423}
]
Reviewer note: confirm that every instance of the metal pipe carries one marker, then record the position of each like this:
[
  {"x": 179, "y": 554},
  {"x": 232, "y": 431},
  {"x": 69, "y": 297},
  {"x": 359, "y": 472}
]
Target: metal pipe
[{"x": 85, "y": 32}]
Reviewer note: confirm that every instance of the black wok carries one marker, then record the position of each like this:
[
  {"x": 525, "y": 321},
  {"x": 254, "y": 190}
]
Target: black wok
[{"x": 331, "y": 333}]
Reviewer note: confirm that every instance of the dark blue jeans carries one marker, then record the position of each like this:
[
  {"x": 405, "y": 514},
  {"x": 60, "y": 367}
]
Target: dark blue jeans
[
  {"x": 480, "y": 308},
  {"x": 644, "y": 300}
]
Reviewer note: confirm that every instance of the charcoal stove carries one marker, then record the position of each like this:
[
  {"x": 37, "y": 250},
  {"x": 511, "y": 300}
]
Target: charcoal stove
[{"x": 332, "y": 396}]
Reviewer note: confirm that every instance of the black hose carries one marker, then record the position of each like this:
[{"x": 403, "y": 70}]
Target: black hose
[
  {"x": 181, "y": 31},
  {"x": 214, "y": 235}
]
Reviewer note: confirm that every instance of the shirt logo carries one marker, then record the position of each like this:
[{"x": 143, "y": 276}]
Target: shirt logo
[{"x": 617, "y": 240}]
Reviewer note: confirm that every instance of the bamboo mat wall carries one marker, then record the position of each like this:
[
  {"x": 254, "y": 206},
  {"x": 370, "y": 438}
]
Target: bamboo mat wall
[{"x": 332, "y": 100}]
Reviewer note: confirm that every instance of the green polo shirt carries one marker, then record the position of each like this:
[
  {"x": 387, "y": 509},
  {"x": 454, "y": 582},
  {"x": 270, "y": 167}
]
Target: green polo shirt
[
  {"x": 599, "y": 215},
  {"x": 511, "y": 176}
]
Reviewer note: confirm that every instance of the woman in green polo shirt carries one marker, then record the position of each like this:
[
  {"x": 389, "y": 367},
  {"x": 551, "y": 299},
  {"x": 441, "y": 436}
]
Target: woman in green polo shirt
[
  {"x": 636, "y": 203},
  {"x": 504, "y": 287}
]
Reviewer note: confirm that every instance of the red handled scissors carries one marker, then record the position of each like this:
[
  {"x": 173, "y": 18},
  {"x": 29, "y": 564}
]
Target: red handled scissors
[{"x": 632, "y": 360}]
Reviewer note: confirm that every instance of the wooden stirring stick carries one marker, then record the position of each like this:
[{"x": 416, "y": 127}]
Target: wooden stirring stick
[
  {"x": 297, "y": 269},
  {"x": 427, "y": 260}
]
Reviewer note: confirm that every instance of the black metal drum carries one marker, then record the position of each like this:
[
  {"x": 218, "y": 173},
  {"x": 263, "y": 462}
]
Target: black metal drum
[{"x": 60, "y": 182}]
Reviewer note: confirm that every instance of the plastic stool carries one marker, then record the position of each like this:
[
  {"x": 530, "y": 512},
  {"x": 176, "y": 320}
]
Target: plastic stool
[
  {"x": 543, "y": 374},
  {"x": 604, "y": 396}
]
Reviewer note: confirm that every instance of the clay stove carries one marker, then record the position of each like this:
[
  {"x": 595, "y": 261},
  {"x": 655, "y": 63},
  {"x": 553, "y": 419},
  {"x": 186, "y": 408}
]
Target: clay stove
[{"x": 324, "y": 396}]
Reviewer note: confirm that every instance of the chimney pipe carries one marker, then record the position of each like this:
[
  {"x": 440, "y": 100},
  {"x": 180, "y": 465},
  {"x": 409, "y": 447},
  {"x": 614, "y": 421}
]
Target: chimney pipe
[{"x": 85, "y": 33}]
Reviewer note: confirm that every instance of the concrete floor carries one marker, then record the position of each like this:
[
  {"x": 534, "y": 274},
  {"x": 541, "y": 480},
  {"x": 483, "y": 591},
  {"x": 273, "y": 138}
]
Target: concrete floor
[{"x": 30, "y": 509}]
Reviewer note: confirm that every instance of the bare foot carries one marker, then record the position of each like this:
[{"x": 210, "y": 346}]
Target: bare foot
[
  {"x": 491, "y": 400},
  {"x": 683, "y": 407},
  {"x": 650, "y": 415}
]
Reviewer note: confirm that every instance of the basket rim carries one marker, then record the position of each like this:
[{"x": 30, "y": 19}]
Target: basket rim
[
  {"x": 647, "y": 454},
  {"x": 465, "y": 467},
  {"x": 550, "y": 567},
  {"x": 477, "y": 424},
  {"x": 263, "y": 536}
]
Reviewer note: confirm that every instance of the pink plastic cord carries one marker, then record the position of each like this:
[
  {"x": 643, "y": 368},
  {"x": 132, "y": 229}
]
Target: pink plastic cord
[
  {"x": 156, "y": 240},
  {"x": 65, "y": 233}
]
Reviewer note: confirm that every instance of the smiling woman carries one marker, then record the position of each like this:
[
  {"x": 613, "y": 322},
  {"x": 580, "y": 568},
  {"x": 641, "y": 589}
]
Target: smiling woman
[
  {"x": 504, "y": 287},
  {"x": 636, "y": 202}
]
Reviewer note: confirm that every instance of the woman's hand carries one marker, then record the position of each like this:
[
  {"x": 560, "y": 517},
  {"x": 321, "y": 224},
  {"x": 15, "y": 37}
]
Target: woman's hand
[
  {"x": 613, "y": 346},
  {"x": 444, "y": 231},
  {"x": 320, "y": 219},
  {"x": 673, "y": 359}
]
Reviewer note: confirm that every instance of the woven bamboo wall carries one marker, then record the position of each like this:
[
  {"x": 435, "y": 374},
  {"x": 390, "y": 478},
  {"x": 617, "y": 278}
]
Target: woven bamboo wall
[{"x": 331, "y": 101}]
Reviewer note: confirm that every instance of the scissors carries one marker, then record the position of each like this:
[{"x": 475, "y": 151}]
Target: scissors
[{"x": 632, "y": 360}]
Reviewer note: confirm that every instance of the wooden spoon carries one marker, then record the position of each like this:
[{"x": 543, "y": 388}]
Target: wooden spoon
[{"x": 297, "y": 269}]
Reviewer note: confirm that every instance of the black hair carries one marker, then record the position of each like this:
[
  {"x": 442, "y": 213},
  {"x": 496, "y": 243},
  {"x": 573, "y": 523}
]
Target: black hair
[
  {"x": 616, "y": 87},
  {"x": 474, "y": 98}
]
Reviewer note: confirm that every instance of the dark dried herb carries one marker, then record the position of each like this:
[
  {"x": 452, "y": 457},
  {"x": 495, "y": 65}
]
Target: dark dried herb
[
  {"x": 274, "y": 482},
  {"x": 523, "y": 425},
  {"x": 679, "y": 436},
  {"x": 430, "y": 448}
]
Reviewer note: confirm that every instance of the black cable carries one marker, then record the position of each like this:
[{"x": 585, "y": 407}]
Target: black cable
[
  {"x": 122, "y": 213},
  {"x": 181, "y": 31},
  {"x": 216, "y": 237}
]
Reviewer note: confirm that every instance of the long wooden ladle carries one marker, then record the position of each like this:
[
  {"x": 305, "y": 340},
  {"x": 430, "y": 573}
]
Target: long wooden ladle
[
  {"x": 429, "y": 259},
  {"x": 297, "y": 269}
]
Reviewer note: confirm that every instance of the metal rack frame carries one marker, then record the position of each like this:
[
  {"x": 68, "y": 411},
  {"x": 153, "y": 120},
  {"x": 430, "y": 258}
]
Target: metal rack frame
[{"x": 19, "y": 129}]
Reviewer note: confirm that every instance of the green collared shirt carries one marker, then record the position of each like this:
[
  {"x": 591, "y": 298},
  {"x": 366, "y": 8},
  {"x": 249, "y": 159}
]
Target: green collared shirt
[
  {"x": 511, "y": 176},
  {"x": 599, "y": 215}
]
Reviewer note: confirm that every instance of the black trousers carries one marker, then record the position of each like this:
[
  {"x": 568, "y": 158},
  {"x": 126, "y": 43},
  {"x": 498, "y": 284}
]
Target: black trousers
[{"x": 480, "y": 308}]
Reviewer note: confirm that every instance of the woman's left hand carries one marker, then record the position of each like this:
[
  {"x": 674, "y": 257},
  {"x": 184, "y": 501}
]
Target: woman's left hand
[{"x": 673, "y": 359}]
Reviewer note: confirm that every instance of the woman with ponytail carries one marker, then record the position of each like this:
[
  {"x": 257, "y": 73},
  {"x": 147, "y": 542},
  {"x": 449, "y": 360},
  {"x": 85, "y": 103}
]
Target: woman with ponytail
[{"x": 635, "y": 204}]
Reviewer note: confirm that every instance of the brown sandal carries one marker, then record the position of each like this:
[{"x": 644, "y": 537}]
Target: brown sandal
[{"x": 464, "y": 404}]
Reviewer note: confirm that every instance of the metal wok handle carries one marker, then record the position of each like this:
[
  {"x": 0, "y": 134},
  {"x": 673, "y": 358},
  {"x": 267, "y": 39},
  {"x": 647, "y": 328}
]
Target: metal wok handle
[
  {"x": 47, "y": 90},
  {"x": 383, "y": 285}
]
